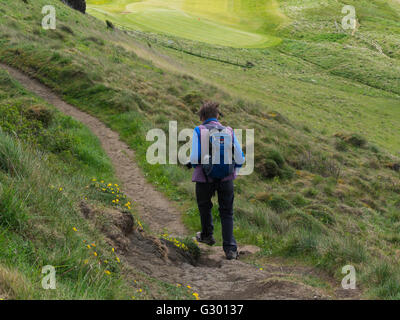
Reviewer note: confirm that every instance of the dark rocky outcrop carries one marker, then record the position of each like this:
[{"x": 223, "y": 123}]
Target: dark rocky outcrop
[{"x": 79, "y": 5}]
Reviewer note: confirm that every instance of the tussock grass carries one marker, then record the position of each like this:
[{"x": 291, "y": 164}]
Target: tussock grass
[
  {"x": 310, "y": 81},
  {"x": 43, "y": 178}
]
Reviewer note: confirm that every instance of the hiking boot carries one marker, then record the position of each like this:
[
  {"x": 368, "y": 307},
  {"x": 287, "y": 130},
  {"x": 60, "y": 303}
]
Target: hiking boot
[
  {"x": 209, "y": 240},
  {"x": 232, "y": 255}
]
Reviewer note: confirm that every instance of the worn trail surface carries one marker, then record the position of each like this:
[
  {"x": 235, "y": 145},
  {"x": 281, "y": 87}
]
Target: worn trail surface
[
  {"x": 154, "y": 208},
  {"x": 212, "y": 276}
]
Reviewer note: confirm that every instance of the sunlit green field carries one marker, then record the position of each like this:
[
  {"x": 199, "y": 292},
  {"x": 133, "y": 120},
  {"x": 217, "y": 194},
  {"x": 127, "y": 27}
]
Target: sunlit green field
[{"x": 235, "y": 23}]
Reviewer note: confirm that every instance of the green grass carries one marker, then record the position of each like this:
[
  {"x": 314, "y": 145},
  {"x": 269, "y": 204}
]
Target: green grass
[
  {"x": 47, "y": 160},
  {"x": 327, "y": 205},
  {"x": 221, "y": 22}
]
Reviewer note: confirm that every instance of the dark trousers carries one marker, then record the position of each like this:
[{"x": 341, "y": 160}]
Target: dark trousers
[{"x": 204, "y": 193}]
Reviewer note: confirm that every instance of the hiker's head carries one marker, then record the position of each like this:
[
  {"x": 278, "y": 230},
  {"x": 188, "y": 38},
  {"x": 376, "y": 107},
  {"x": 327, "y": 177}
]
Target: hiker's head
[{"x": 208, "y": 110}]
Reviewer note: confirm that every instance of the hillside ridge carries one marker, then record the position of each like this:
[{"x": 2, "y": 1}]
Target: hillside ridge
[{"x": 212, "y": 276}]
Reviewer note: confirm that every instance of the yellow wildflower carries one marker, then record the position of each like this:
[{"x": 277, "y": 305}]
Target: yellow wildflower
[
  {"x": 107, "y": 272},
  {"x": 75, "y": 229}
]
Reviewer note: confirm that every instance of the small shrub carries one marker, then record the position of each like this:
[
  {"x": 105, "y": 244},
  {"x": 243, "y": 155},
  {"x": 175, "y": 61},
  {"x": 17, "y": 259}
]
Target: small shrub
[
  {"x": 353, "y": 139},
  {"x": 58, "y": 141},
  {"x": 299, "y": 201},
  {"x": 393, "y": 166},
  {"x": 110, "y": 25},
  {"x": 286, "y": 173},
  {"x": 356, "y": 140},
  {"x": 276, "y": 156},
  {"x": 279, "y": 204},
  {"x": 324, "y": 215},
  {"x": 311, "y": 193},
  {"x": 341, "y": 145},
  {"x": 374, "y": 149},
  {"x": 193, "y": 248},
  {"x": 317, "y": 179},
  {"x": 40, "y": 113},
  {"x": 269, "y": 169}
]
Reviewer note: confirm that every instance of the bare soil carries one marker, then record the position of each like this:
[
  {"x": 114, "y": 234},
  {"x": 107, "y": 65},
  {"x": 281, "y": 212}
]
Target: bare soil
[{"x": 212, "y": 276}]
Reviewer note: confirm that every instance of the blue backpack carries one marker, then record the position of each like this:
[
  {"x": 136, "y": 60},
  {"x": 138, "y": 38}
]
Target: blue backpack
[{"x": 217, "y": 162}]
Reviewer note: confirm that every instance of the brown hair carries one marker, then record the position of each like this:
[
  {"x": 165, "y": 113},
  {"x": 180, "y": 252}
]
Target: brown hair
[{"x": 208, "y": 110}]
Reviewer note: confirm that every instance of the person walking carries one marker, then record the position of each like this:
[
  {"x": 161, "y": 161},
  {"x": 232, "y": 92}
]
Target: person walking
[{"x": 216, "y": 156}]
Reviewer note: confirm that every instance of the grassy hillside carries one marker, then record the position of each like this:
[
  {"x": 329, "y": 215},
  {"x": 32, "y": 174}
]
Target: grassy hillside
[
  {"x": 320, "y": 75},
  {"x": 232, "y": 23},
  {"x": 47, "y": 165},
  {"x": 324, "y": 106},
  {"x": 47, "y": 159}
]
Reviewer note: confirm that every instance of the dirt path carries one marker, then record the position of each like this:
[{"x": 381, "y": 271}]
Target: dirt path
[
  {"x": 153, "y": 207},
  {"x": 213, "y": 276}
]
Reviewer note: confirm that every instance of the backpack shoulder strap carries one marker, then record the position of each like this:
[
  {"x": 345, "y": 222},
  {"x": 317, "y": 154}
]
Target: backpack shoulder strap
[{"x": 204, "y": 141}]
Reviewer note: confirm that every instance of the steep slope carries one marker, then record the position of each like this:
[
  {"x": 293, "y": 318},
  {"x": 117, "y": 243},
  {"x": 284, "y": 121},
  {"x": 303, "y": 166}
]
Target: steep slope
[
  {"x": 210, "y": 276},
  {"x": 46, "y": 160},
  {"x": 332, "y": 201}
]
